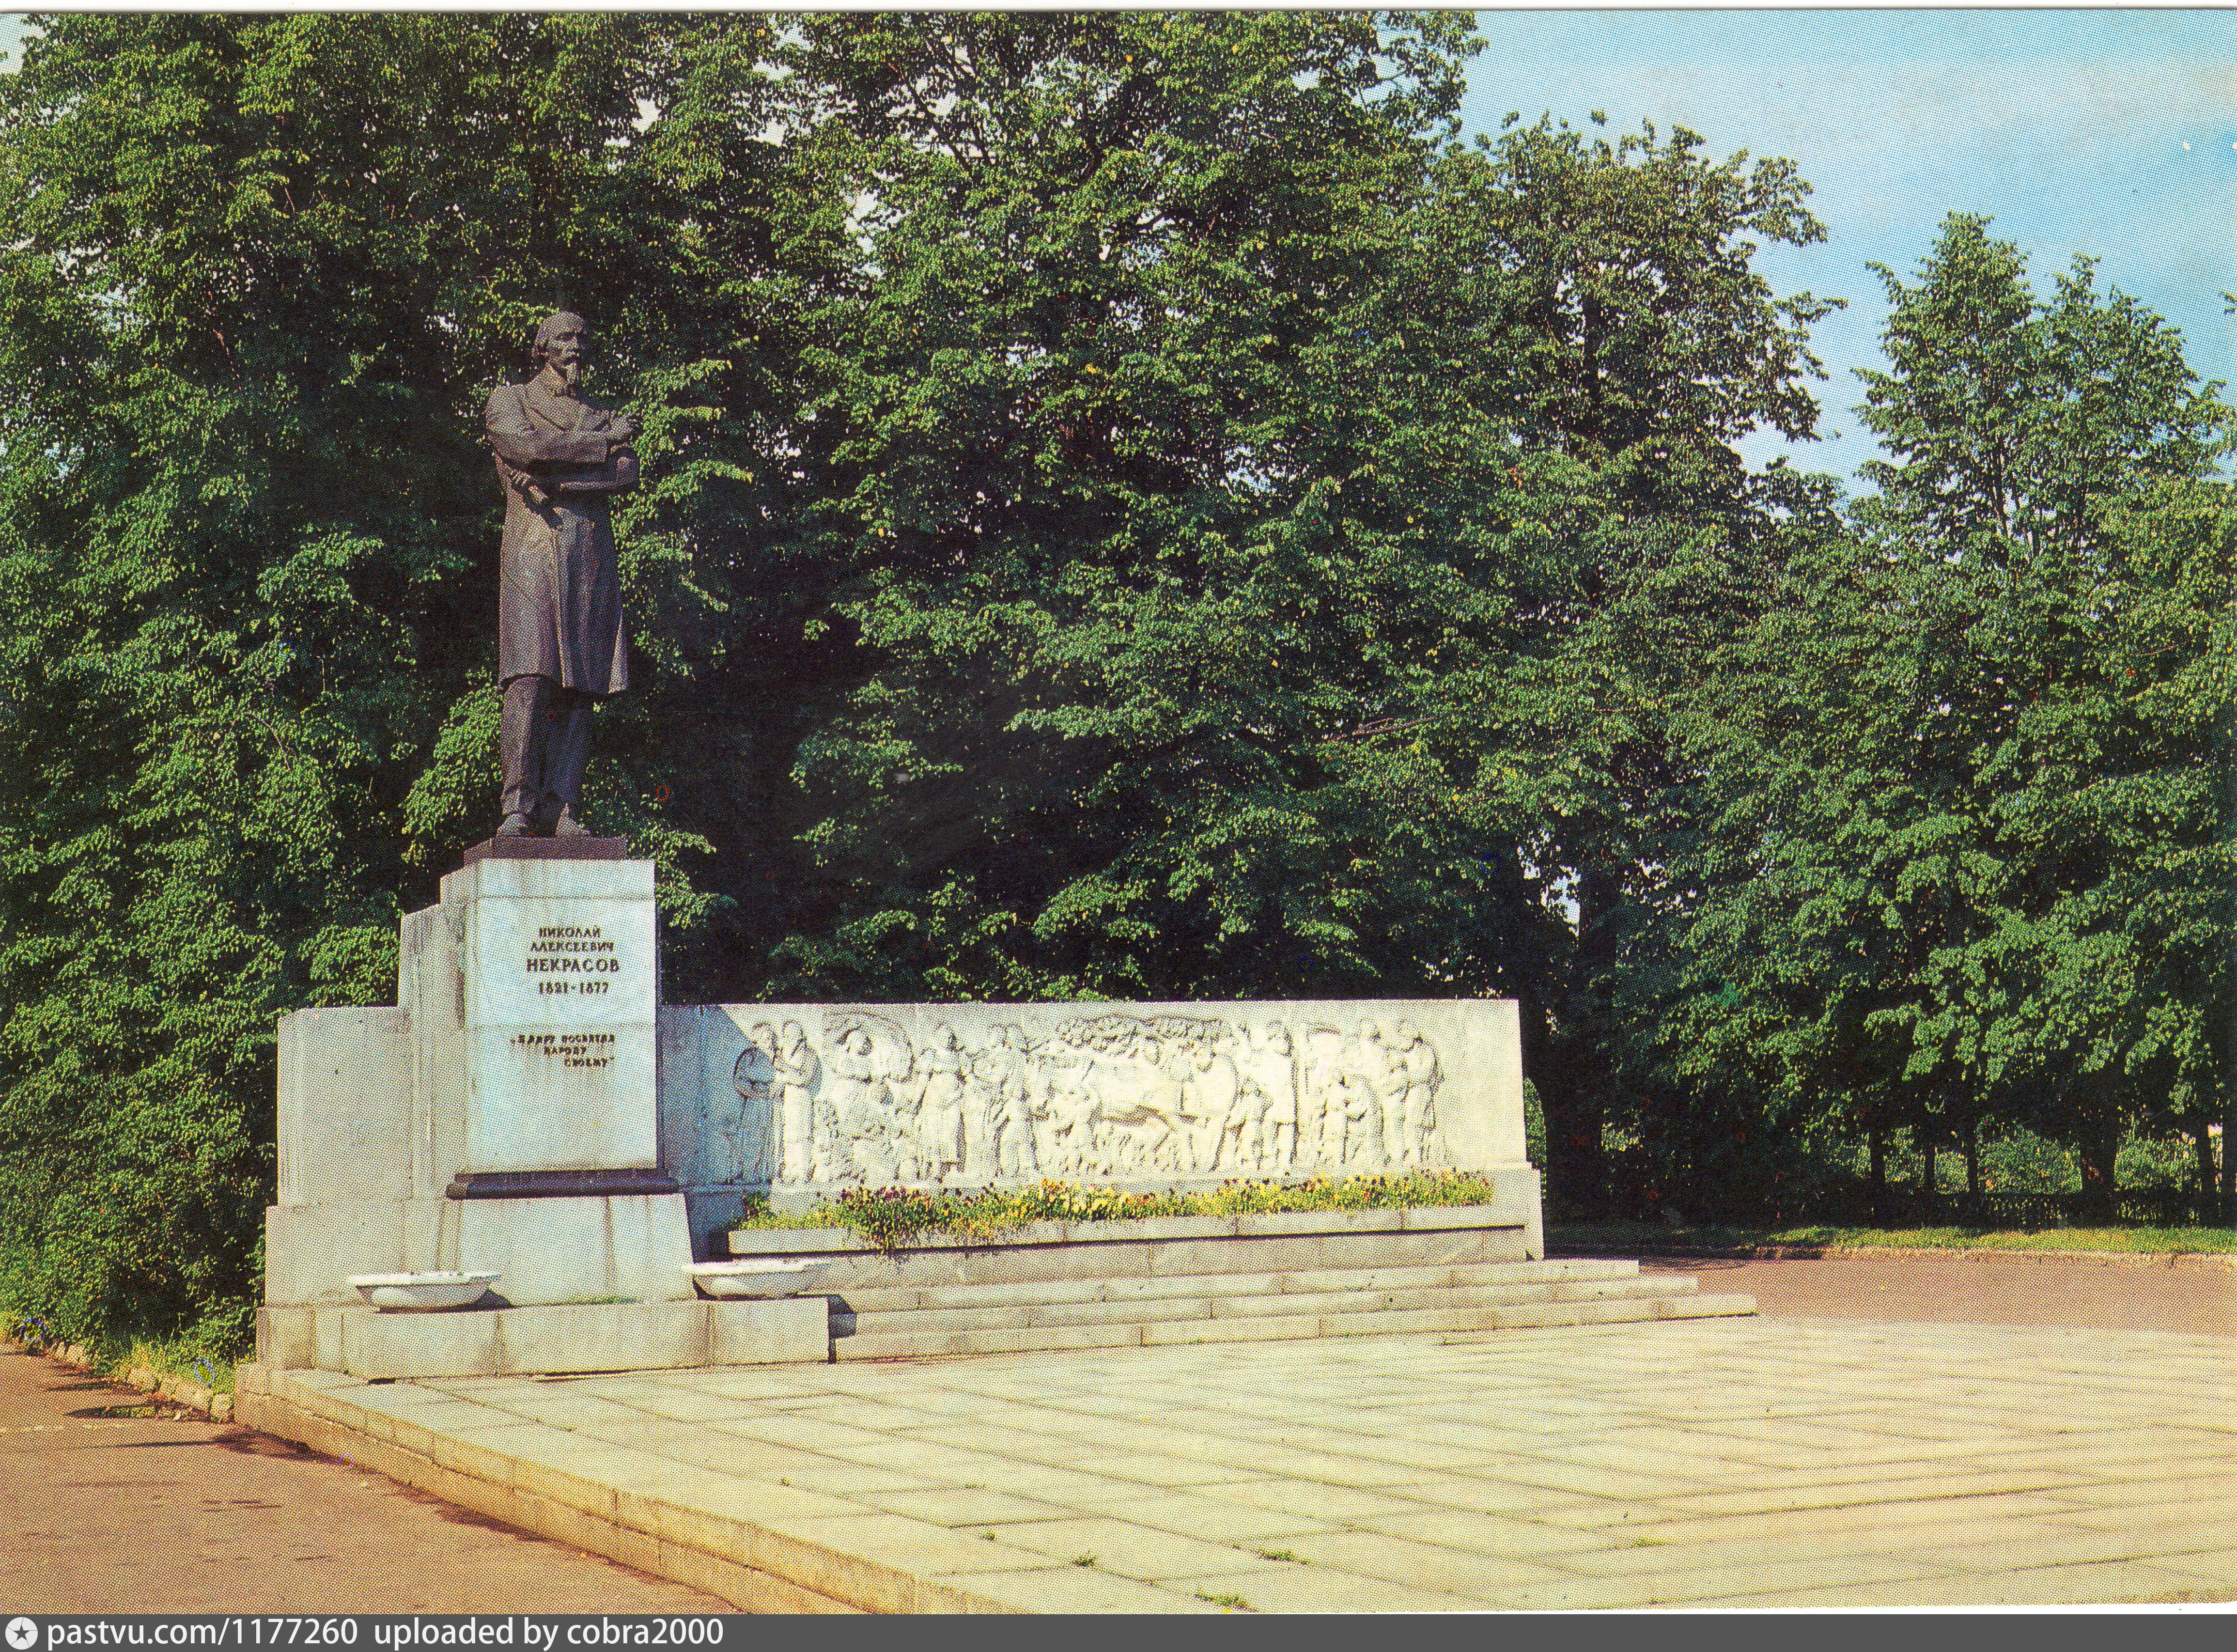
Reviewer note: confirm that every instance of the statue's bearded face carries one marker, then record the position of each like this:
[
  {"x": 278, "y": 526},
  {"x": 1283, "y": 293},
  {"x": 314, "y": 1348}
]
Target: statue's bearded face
[{"x": 562, "y": 343}]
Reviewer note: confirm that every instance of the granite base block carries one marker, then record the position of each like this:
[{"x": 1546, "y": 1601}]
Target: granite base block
[
  {"x": 286, "y": 1339},
  {"x": 560, "y": 1339},
  {"x": 571, "y": 1250},
  {"x": 417, "y": 1344},
  {"x": 344, "y": 1106},
  {"x": 635, "y": 1246},
  {"x": 310, "y": 1250},
  {"x": 1179, "y": 1246}
]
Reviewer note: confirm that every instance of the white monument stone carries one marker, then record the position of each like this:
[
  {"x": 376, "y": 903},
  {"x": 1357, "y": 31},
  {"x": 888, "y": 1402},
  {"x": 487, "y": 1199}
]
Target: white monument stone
[
  {"x": 505, "y": 1116},
  {"x": 528, "y": 1105}
]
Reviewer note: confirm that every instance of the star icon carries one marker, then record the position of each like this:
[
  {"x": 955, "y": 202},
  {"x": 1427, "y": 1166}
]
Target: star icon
[{"x": 21, "y": 1634}]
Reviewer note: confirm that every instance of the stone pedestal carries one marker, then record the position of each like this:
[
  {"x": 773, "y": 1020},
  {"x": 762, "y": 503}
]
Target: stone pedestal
[{"x": 534, "y": 990}]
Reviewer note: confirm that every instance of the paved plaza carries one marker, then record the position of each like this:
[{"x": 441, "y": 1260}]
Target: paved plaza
[{"x": 1760, "y": 1462}]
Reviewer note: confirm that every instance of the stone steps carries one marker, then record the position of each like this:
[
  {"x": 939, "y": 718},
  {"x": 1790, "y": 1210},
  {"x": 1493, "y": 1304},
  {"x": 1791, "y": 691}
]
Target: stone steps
[
  {"x": 1018, "y": 1316},
  {"x": 917, "y": 1344},
  {"x": 1428, "y": 1276},
  {"x": 1212, "y": 1305}
]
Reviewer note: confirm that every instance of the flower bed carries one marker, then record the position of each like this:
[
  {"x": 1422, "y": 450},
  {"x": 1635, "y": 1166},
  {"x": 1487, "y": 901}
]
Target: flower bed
[{"x": 891, "y": 1218}]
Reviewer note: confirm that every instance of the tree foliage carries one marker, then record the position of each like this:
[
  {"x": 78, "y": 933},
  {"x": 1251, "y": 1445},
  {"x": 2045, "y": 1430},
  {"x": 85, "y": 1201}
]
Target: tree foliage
[{"x": 1970, "y": 863}]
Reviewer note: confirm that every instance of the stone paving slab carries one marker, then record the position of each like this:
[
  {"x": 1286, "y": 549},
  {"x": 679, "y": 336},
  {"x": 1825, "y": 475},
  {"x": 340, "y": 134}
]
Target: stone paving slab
[{"x": 1682, "y": 1463}]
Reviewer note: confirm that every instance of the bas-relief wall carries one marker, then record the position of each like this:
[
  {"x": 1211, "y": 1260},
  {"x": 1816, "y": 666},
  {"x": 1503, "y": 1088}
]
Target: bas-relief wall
[{"x": 827, "y": 1096}]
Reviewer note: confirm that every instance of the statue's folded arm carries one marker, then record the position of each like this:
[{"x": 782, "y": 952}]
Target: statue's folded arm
[{"x": 521, "y": 442}]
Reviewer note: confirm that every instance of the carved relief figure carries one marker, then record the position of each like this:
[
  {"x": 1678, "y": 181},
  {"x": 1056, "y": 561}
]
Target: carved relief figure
[
  {"x": 939, "y": 1115},
  {"x": 1135, "y": 1101},
  {"x": 1213, "y": 1091},
  {"x": 1010, "y": 1107},
  {"x": 1385, "y": 1072},
  {"x": 753, "y": 1077},
  {"x": 1423, "y": 1072},
  {"x": 910, "y": 1151},
  {"x": 1070, "y": 1113},
  {"x": 1155, "y": 1125},
  {"x": 1241, "y": 1144},
  {"x": 1274, "y": 1075},
  {"x": 864, "y": 1103},
  {"x": 1325, "y": 1090},
  {"x": 799, "y": 1075},
  {"x": 1363, "y": 1110}
]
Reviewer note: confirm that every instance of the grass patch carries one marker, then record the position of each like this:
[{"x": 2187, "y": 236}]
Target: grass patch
[
  {"x": 173, "y": 1357},
  {"x": 169, "y": 1359},
  {"x": 1283, "y": 1554},
  {"x": 892, "y": 1217},
  {"x": 1232, "y": 1602},
  {"x": 2135, "y": 1240},
  {"x": 1083, "y": 1560},
  {"x": 186, "y": 1358}
]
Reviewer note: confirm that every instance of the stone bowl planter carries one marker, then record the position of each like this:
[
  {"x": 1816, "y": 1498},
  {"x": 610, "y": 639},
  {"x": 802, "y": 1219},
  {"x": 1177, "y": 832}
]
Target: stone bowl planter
[
  {"x": 757, "y": 1276},
  {"x": 422, "y": 1292}
]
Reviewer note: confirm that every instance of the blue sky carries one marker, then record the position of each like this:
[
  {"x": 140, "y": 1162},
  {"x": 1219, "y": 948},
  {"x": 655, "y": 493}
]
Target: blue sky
[{"x": 2067, "y": 128}]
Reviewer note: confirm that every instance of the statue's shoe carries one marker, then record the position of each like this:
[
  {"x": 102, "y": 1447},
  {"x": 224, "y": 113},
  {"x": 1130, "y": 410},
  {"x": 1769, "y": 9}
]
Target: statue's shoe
[
  {"x": 568, "y": 826},
  {"x": 516, "y": 825}
]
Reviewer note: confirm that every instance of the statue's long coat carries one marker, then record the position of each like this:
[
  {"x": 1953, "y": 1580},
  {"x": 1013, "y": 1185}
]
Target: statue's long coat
[{"x": 559, "y": 598}]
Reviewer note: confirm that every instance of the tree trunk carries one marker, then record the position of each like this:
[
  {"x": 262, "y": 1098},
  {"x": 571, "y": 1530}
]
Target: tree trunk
[
  {"x": 2202, "y": 1135},
  {"x": 2099, "y": 1147},
  {"x": 2225, "y": 760},
  {"x": 1576, "y": 1101},
  {"x": 1576, "y": 1166},
  {"x": 1973, "y": 1159},
  {"x": 1879, "y": 1182},
  {"x": 1931, "y": 1148},
  {"x": 1575, "y": 1175}
]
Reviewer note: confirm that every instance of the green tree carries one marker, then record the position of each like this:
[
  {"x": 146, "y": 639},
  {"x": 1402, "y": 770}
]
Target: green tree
[
  {"x": 1965, "y": 867},
  {"x": 1143, "y": 498},
  {"x": 1018, "y": 565},
  {"x": 1280, "y": 540},
  {"x": 1613, "y": 326}
]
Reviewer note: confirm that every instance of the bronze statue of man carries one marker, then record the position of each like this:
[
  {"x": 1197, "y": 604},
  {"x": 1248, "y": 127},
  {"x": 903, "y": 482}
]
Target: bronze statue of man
[{"x": 560, "y": 645}]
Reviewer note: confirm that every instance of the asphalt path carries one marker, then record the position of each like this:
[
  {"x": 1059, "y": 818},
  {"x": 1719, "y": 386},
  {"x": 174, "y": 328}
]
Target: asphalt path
[
  {"x": 108, "y": 1504},
  {"x": 2107, "y": 1295}
]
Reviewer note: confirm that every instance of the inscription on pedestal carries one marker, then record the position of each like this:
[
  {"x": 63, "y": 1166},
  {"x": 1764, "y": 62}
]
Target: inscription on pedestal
[
  {"x": 571, "y": 1049},
  {"x": 557, "y": 961},
  {"x": 562, "y": 991},
  {"x": 574, "y": 959}
]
